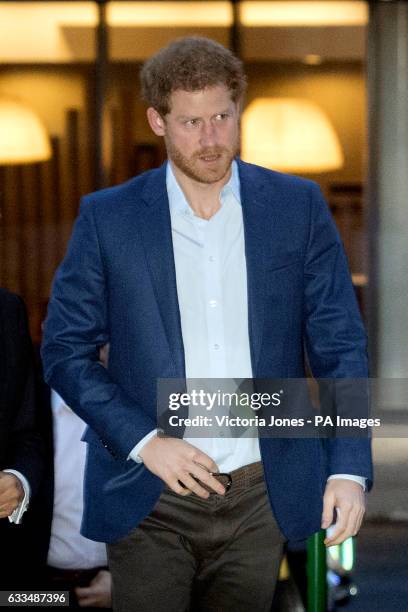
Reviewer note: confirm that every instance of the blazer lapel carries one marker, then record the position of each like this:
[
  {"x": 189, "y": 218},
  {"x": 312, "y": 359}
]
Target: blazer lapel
[
  {"x": 155, "y": 231},
  {"x": 255, "y": 231}
]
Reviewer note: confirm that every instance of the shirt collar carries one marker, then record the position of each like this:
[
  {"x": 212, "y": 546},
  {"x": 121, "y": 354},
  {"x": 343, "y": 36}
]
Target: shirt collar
[{"x": 177, "y": 199}]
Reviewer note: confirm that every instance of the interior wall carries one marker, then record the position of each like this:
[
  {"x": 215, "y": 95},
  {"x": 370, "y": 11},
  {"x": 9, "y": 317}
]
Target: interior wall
[{"x": 338, "y": 88}]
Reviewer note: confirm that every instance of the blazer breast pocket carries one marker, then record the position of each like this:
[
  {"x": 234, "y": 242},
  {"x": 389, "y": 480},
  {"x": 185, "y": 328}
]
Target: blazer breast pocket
[
  {"x": 283, "y": 275},
  {"x": 280, "y": 261}
]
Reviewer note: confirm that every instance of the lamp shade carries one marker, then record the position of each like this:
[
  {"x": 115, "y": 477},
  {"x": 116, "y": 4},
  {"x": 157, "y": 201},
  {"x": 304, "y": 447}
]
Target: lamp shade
[
  {"x": 23, "y": 138},
  {"x": 289, "y": 134}
]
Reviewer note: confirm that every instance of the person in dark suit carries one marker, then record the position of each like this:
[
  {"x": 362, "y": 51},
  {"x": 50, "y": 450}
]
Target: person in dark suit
[
  {"x": 207, "y": 267},
  {"x": 66, "y": 561},
  {"x": 21, "y": 442}
]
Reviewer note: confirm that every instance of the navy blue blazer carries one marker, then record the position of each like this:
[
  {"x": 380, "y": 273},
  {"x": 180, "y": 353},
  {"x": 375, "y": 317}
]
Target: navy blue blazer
[{"x": 117, "y": 284}]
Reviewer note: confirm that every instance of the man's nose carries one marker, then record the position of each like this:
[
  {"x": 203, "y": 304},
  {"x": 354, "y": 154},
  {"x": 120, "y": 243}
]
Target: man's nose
[{"x": 208, "y": 136}]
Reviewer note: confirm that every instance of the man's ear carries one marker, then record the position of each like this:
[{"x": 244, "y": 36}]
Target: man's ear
[
  {"x": 156, "y": 121},
  {"x": 239, "y": 105}
]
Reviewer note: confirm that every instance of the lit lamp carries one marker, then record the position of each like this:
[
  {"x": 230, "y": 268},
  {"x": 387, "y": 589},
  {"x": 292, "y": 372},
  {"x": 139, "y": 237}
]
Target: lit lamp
[
  {"x": 23, "y": 139},
  {"x": 289, "y": 134}
]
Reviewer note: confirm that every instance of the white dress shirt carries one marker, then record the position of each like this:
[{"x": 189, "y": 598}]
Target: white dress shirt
[
  {"x": 68, "y": 548},
  {"x": 211, "y": 281}
]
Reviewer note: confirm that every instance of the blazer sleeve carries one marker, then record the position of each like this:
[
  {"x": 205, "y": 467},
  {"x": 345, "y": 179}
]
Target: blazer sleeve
[
  {"x": 335, "y": 338},
  {"x": 75, "y": 329},
  {"x": 25, "y": 443}
]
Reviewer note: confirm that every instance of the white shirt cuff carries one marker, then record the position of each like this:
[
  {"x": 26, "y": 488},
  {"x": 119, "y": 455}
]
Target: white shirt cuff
[
  {"x": 16, "y": 515},
  {"x": 360, "y": 479},
  {"x": 134, "y": 453}
]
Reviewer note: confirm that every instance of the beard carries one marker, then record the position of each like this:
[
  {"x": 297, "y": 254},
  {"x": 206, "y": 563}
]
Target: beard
[{"x": 199, "y": 170}]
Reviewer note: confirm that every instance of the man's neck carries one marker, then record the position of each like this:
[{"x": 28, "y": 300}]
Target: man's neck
[{"x": 204, "y": 198}]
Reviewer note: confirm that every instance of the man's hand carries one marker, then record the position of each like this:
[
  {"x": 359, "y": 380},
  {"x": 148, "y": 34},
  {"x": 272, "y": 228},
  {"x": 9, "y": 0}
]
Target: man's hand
[
  {"x": 348, "y": 498},
  {"x": 176, "y": 461},
  {"x": 99, "y": 592},
  {"x": 11, "y": 493}
]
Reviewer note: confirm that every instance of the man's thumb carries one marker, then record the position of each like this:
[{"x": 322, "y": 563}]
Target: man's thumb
[{"x": 328, "y": 509}]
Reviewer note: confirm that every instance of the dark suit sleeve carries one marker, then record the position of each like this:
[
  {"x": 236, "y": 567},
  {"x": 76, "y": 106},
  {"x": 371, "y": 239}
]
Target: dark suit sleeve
[
  {"x": 24, "y": 444},
  {"x": 335, "y": 338},
  {"x": 76, "y": 326}
]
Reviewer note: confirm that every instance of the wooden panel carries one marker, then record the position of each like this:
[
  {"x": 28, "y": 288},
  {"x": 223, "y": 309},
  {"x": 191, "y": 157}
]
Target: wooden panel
[
  {"x": 3, "y": 227},
  {"x": 39, "y": 202}
]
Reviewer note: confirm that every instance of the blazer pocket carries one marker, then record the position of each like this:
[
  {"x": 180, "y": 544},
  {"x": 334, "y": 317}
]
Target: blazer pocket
[
  {"x": 281, "y": 262},
  {"x": 284, "y": 280}
]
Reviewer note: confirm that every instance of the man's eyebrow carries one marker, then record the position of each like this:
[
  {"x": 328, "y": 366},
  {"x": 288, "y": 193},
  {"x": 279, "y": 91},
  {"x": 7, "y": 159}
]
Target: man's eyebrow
[
  {"x": 189, "y": 117},
  {"x": 186, "y": 117}
]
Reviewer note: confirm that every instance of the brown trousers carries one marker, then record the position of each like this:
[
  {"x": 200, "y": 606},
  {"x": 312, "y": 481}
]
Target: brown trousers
[{"x": 212, "y": 555}]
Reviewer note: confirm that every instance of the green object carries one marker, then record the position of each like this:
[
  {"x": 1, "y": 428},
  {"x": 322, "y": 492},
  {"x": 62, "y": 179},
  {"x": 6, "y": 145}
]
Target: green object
[{"x": 316, "y": 573}]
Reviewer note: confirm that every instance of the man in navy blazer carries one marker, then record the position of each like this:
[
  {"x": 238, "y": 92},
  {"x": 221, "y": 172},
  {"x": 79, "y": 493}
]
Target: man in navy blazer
[{"x": 207, "y": 267}]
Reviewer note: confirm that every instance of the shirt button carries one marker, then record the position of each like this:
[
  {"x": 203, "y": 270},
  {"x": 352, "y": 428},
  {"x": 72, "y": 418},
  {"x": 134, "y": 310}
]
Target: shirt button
[
  {"x": 213, "y": 303},
  {"x": 216, "y": 347},
  {"x": 211, "y": 258}
]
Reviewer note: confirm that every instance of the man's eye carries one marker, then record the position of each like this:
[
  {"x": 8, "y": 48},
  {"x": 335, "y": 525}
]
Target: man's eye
[
  {"x": 192, "y": 122},
  {"x": 221, "y": 116}
]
